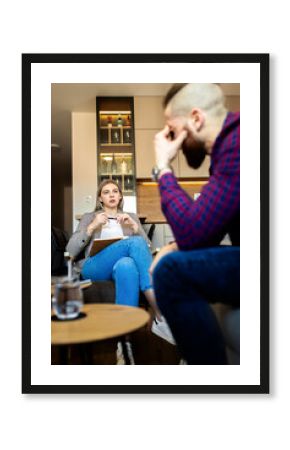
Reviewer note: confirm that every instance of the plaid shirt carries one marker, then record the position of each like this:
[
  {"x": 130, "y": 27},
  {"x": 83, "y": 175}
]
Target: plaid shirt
[{"x": 205, "y": 221}]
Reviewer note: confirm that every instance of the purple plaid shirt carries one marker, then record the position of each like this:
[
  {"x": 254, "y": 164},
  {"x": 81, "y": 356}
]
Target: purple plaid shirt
[{"x": 205, "y": 221}]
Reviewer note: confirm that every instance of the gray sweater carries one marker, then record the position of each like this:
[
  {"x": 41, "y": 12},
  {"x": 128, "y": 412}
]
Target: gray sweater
[{"x": 80, "y": 240}]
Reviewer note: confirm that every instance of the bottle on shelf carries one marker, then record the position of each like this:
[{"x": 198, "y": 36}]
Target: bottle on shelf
[
  {"x": 127, "y": 136},
  {"x": 115, "y": 136},
  {"x": 119, "y": 121},
  {"x": 130, "y": 168},
  {"x": 110, "y": 121},
  {"x": 128, "y": 184},
  {"x": 114, "y": 165},
  {"x": 124, "y": 166},
  {"x": 104, "y": 166}
]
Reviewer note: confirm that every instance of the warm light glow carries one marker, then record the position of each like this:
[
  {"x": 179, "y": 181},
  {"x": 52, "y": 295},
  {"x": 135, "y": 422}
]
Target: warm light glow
[{"x": 116, "y": 113}]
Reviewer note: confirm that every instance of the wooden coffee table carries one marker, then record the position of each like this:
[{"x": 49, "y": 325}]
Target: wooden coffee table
[{"x": 101, "y": 322}]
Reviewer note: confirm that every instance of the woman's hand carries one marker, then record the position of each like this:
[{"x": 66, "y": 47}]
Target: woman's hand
[
  {"x": 164, "y": 251},
  {"x": 99, "y": 220},
  {"x": 127, "y": 221}
]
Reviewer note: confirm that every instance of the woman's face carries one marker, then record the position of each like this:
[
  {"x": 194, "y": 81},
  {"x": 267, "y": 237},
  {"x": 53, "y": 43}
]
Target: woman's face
[{"x": 110, "y": 196}]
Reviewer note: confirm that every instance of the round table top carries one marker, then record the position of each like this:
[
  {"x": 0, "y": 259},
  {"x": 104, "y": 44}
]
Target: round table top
[{"x": 102, "y": 321}]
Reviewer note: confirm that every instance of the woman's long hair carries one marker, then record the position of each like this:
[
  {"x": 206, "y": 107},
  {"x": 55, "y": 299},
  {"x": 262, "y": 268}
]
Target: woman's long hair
[{"x": 99, "y": 205}]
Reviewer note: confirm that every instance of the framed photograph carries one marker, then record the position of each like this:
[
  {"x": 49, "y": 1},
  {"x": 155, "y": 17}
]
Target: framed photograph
[{"x": 245, "y": 78}]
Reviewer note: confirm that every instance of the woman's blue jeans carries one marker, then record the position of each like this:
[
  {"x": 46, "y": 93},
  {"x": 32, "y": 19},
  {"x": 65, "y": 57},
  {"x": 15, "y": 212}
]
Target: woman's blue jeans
[
  {"x": 185, "y": 282},
  {"x": 126, "y": 262}
]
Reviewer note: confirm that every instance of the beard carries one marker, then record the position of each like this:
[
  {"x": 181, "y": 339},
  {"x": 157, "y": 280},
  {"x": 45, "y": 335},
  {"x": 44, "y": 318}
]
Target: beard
[{"x": 194, "y": 152}]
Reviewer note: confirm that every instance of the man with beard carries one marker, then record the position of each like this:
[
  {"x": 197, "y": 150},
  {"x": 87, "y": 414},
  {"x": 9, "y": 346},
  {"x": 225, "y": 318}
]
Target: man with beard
[{"x": 195, "y": 270}]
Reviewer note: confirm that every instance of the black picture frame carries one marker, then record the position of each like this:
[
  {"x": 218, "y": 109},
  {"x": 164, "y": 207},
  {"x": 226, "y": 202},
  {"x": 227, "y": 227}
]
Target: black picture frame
[{"x": 258, "y": 59}]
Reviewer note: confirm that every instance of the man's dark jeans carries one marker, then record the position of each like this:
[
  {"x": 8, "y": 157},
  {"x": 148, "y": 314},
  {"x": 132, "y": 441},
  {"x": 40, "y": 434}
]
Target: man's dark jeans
[{"x": 185, "y": 283}]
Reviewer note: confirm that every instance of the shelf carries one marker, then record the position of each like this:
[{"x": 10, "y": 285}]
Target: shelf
[
  {"x": 116, "y": 145},
  {"x": 115, "y": 139},
  {"x": 117, "y": 152},
  {"x": 128, "y": 127},
  {"x": 115, "y": 112},
  {"x": 108, "y": 153},
  {"x": 119, "y": 174}
]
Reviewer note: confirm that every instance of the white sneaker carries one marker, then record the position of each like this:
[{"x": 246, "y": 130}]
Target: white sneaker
[
  {"x": 162, "y": 330},
  {"x": 119, "y": 354}
]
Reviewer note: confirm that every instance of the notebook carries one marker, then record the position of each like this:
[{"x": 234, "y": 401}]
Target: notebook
[{"x": 100, "y": 244}]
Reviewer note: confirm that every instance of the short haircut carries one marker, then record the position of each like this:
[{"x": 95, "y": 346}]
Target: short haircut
[
  {"x": 206, "y": 96},
  {"x": 172, "y": 92}
]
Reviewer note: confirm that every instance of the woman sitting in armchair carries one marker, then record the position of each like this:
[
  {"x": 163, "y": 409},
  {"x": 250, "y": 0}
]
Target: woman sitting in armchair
[{"x": 126, "y": 261}]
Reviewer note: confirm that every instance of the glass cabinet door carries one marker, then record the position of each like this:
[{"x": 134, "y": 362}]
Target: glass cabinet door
[{"x": 115, "y": 141}]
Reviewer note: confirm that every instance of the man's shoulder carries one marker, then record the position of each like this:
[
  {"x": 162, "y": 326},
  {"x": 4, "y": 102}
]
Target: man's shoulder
[{"x": 226, "y": 153}]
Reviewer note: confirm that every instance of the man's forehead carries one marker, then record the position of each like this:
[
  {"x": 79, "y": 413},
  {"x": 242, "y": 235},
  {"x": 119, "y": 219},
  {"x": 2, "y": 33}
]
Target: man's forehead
[
  {"x": 171, "y": 118},
  {"x": 167, "y": 112},
  {"x": 174, "y": 121}
]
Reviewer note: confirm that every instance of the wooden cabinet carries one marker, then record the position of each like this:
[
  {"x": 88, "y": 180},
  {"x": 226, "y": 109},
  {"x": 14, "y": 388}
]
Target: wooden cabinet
[
  {"x": 149, "y": 113},
  {"x": 116, "y": 141},
  {"x": 148, "y": 198},
  {"x": 145, "y": 157},
  {"x": 149, "y": 120},
  {"x": 233, "y": 103}
]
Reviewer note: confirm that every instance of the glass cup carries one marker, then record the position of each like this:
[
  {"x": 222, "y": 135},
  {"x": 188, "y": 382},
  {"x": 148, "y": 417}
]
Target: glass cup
[{"x": 67, "y": 300}]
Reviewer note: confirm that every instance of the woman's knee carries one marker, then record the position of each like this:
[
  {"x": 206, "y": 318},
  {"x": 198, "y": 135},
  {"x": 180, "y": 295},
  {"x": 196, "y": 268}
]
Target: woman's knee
[
  {"x": 125, "y": 264},
  {"x": 137, "y": 238},
  {"x": 139, "y": 241}
]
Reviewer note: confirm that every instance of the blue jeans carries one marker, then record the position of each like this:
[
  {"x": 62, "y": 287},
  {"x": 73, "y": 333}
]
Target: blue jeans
[
  {"x": 185, "y": 282},
  {"x": 126, "y": 262}
]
